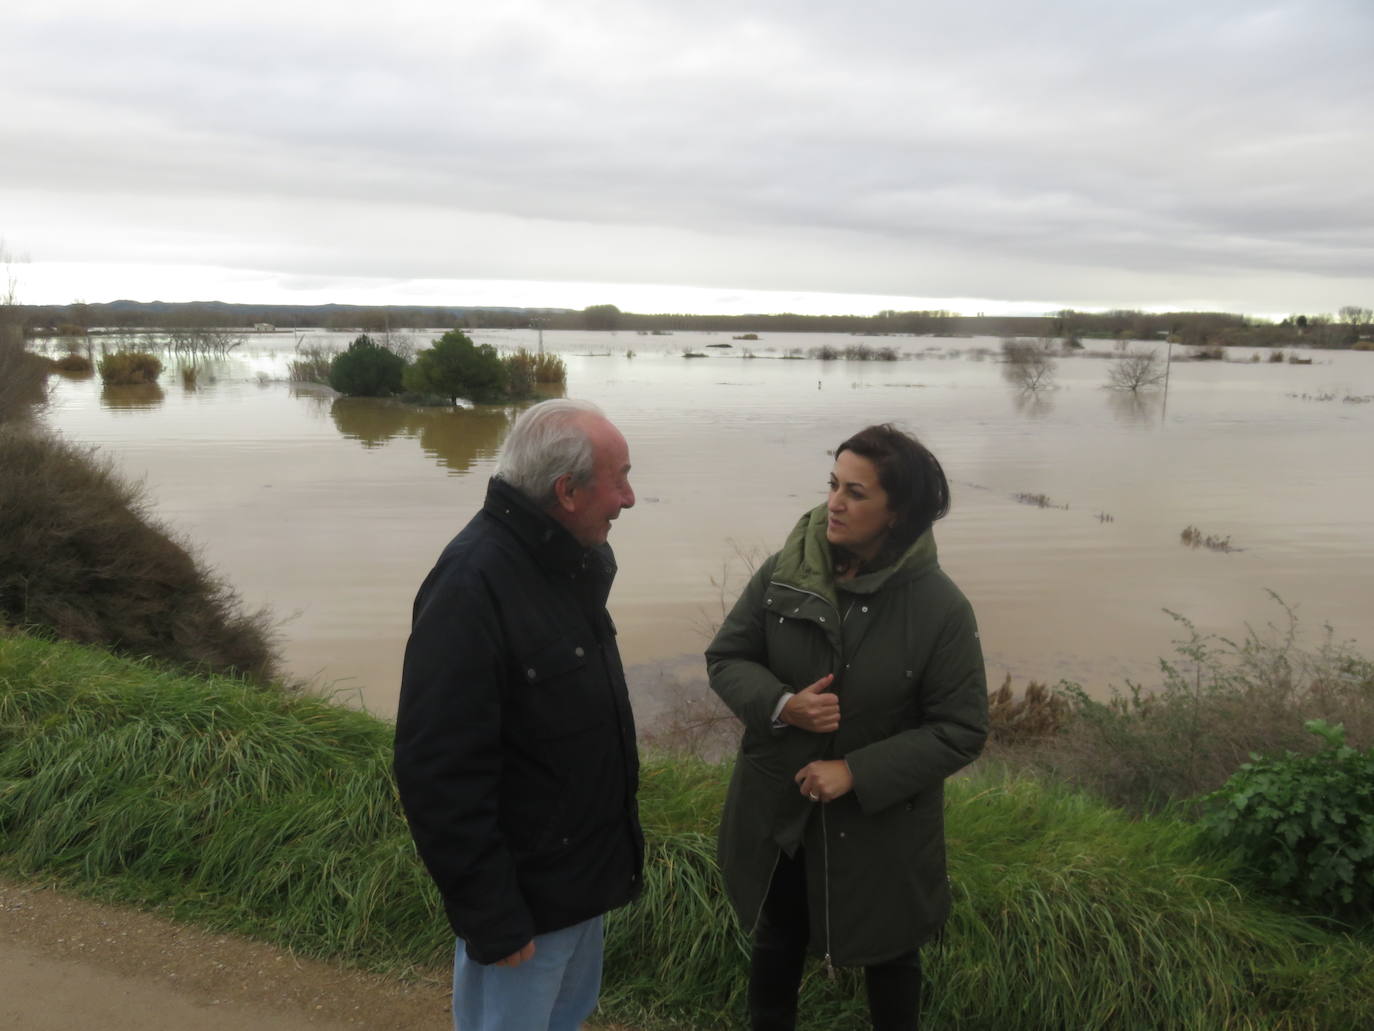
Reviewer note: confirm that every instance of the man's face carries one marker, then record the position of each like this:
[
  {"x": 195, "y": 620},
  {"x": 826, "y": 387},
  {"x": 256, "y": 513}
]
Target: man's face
[{"x": 587, "y": 510}]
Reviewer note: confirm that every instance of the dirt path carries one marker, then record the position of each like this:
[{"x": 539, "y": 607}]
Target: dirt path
[{"x": 67, "y": 963}]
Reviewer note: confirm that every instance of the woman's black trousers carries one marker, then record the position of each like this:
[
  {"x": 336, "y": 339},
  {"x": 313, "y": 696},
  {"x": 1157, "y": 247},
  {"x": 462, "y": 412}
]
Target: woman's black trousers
[{"x": 775, "y": 969}]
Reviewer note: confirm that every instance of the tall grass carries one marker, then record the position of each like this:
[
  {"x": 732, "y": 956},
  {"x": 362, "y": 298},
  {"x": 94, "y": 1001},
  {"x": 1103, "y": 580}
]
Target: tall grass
[
  {"x": 311, "y": 365},
  {"x": 276, "y": 815}
]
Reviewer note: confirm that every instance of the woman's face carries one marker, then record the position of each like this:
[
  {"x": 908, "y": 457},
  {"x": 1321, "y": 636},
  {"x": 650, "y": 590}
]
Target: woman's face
[{"x": 860, "y": 519}]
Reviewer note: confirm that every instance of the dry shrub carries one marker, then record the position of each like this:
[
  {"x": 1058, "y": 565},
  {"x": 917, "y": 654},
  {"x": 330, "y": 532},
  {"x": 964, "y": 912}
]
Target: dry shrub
[
  {"x": 130, "y": 368},
  {"x": 23, "y": 377},
  {"x": 1038, "y": 714},
  {"x": 74, "y": 364},
  {"x": 1220, "y": 701},
  {"x": 81, "y": 557},
  {"x": 693, "y": 722}
]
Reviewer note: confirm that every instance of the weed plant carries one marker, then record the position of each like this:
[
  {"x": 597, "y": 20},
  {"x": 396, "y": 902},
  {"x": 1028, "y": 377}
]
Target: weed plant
[
  {"x": 81, "y": 556},
  {"x": 276, "y": 815},
  {"x": 1304, "y": 824},
  {"x": 1219, "y": 700}
]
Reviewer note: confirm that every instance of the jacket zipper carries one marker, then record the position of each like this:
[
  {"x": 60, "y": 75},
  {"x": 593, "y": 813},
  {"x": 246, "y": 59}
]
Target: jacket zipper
[
  {"x": 825, "y": 829},
  {"x": 825, "y": 879}
]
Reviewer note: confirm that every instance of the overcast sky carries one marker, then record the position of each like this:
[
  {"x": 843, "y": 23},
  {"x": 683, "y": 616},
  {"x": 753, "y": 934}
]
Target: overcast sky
[{"x": 705, "y": 155}]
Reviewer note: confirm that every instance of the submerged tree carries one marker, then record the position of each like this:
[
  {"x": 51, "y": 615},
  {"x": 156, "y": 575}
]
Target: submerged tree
[
  {"x": 1136, "y": 370},
  {"x": 455, "y": 367},
  {"x": 1027, "y": 364}
]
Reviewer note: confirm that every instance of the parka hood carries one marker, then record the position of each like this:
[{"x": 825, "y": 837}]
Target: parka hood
[{"x": 806, "y": 561}]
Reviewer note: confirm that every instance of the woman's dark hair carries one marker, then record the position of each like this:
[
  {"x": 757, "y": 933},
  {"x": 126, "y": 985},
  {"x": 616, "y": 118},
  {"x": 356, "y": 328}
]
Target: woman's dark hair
[{"x": 917, "y": 490}]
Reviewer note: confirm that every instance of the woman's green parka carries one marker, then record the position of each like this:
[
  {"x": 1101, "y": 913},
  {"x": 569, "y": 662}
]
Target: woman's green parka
[{"x": 903, "y": 645}]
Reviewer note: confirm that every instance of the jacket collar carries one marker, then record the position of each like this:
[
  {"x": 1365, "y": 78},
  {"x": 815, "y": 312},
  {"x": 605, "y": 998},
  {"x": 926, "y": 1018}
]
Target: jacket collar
[
  {"x": 806, "y": 563},
  {"x": 552, "y": 546}
]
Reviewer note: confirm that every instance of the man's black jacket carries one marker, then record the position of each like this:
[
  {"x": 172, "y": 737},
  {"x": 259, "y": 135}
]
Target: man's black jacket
[{"x": 515, "y": 744}]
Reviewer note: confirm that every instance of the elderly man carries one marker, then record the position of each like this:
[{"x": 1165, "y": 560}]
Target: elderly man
[{"x": 515, "y": 743}]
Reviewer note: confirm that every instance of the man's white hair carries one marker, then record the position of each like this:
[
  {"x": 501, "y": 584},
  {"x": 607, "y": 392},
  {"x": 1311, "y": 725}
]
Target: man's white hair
[{"x": 549, "y": 440}]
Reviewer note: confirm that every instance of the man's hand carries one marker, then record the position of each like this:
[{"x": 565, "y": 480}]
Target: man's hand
[
  {"x": 813, "y": 708},
  {"x": 825, "y": 780},
  {"x": 518, "y": 957}
]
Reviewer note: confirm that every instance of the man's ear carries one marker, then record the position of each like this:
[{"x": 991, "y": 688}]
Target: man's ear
[{"x": 563, "y": 491}]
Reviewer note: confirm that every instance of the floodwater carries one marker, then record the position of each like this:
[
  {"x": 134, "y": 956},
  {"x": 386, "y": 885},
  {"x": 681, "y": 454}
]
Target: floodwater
[{"x": 331, "y": 510}]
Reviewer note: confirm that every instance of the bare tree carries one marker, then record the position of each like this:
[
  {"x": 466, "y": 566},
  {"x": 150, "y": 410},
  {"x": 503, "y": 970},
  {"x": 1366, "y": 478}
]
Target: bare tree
[
  {"x": 23, "y": 376},
  {"x": 1028, "y": 364},
  {"x": 1136, "y": 370}
]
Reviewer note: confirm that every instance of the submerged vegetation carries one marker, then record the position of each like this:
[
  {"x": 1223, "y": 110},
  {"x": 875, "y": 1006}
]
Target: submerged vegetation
[
  {"x": 129, "y": 368},
  {"x": 1192, "y": 537},
  {"x": 276, "y": 816}
]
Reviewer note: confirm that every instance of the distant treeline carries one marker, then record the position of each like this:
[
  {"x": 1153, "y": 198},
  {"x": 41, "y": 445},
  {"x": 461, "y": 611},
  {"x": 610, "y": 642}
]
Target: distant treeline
[{"x": 1199, "y": 329}]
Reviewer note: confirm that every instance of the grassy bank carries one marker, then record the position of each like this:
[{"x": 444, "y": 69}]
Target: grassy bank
[{"x": 275, "y": 815}]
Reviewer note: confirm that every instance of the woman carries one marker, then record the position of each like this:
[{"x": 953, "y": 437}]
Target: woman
[{"x": 854, "y": 664}]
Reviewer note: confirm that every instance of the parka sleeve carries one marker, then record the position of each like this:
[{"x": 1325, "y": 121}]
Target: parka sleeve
[
  {"x": 448, "y": 760},
  {"x": 737, "y": 658},
  {"x": 953, "y": 708}
]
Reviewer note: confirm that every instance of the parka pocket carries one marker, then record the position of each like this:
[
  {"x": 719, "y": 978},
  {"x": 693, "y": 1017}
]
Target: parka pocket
[{"x": 555, "y": 694}]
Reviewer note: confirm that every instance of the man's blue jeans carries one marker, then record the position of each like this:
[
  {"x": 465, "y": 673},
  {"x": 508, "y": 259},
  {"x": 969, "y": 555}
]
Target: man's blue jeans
[{"x": 555, "y": 990}]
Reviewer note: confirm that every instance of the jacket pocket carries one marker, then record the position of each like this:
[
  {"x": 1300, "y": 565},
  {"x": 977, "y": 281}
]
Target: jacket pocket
[{"x": 557, "y": 694}]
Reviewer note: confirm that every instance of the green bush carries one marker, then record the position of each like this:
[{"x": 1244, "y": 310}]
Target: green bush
[
  {"x": 367, "y": 369},
  {"x": 129, "y": 368},
  {"x": 1304, "y": 824},
  {"x": 455, "y": 367}
]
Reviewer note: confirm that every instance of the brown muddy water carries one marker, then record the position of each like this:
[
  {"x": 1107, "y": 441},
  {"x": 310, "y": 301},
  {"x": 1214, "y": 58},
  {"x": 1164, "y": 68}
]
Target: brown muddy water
[{"x": 331, "y": 510}]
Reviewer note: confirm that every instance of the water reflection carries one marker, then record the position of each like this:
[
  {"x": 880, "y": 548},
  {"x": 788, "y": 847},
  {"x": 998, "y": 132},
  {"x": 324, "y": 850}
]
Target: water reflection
[
  {"x": 1033, "y": 404},
  {"x": 1134, "y": 408},
  {"x": 76, "y": 375},
  {"x": 456, "y": 437},
  {"x": 134, "y": 397}
]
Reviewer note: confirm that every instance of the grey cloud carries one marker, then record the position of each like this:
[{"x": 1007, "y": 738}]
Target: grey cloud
[{"x": 967, "y": 142}]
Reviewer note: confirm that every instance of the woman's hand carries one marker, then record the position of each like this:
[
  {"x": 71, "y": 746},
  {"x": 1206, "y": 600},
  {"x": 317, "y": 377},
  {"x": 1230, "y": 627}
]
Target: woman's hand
[
  {"x": 825, "y": 780},
  {"x": 813, "y": 708}
]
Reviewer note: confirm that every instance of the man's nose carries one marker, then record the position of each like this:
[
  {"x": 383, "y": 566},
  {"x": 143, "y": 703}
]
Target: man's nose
[{"x": 627, "y": 497}]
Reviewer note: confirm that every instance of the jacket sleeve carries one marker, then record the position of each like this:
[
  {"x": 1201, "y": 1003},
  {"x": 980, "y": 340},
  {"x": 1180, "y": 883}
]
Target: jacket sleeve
[
  {"x": 953, "y": 708},
  {"x": 737, "y": 658},
  {"x": 448, "y": 760}
]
